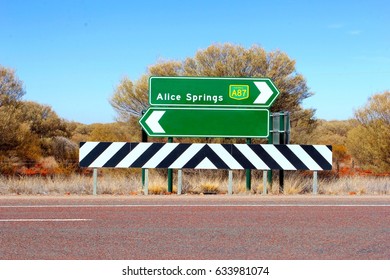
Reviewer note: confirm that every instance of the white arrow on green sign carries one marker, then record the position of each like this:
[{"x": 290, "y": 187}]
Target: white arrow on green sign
[
  {"x": 212, "y": 92},
  {"x": 206, "y": 122}
]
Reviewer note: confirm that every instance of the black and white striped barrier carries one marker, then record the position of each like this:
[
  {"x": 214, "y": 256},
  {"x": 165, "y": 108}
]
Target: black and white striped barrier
[{"x": 205, "y": 156}]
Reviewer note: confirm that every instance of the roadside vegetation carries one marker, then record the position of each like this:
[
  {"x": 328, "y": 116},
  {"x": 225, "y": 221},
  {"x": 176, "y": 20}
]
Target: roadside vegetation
[
  {"x": 39, "y": 149},
  {"x": 193, "y": 184}
]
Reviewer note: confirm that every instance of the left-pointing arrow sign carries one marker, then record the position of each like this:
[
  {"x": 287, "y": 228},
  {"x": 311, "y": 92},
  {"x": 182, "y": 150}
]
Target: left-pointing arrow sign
[
  {"x": 153, "y": 121},
  {"x": 205, "y": 122}
]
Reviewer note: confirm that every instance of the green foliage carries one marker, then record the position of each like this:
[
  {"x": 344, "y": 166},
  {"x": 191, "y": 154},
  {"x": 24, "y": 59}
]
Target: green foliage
[{"x": 369, "y": 141}]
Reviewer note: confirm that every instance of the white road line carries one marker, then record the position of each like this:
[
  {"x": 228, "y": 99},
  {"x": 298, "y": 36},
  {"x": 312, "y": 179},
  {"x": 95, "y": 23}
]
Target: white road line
[
  {"x": 44, "y": 220},
  {"x": 190, "y": 205}
]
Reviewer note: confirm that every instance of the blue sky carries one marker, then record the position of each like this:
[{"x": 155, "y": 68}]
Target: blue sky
[{"x": 72, "y": 54}]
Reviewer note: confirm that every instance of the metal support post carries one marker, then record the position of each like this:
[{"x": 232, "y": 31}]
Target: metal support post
[
  {"x": 179, "y": 181},
  {"x": 170, "y": 140},
  {"x": 95, "y": 175},
  {"x": 265, "y": 182},
  {"x": 281, "y": 141},
  {"x": 230, "y": 182},
  {"x": 270, "y": 141},
  {"x": 144, "y": 138},
  {"x": 287, "y": 127},
  {"x": 315, "y": 182},
  {"x": 146, "y": 185},
  {"x": 248, "y": 172}
]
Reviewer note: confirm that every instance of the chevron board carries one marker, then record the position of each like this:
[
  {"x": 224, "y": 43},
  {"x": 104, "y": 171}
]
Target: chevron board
[{"x": 205, "y": 156}]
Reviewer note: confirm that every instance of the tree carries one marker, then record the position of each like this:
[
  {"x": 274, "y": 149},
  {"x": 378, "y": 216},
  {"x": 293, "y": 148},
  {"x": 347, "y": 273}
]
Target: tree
[
  {"x": 129, "y": 99},
  {"x": 11, "y": 88},
  {"x": 333, "y": 133},
  {"x": 27, "y": 130},
  {"x": 369, "y": 141},
  {"x": 235, "y": 61},
  {"x": 9, "y": 125},
  {"x": 42, "y": 120},
  {"x": 225, "y": 60},
  {"x": 16, "y": 139},
  {"x": 11, "y": 91},
  {"x": 110, "y": 132},
  {"x": 65, "y": 151},
  {"x": 220, "y": 61}
]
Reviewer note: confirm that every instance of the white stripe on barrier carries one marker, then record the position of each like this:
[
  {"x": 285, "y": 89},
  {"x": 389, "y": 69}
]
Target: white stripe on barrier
[
  {"x": 252, "y": 157},
  {"x": 160, "y": 155},
  {"x": 304, "y": 157},
  {"x": 86, "y": 149},
  {"x": 225, "y": 156},
  {"x": 324, "y": 151},
  {"x": 187, "y": 155},
  {"x": 278, "y": 157},
  {"x": 199, "y": 155},
  {"x": 134, "y": 155},
  {"x": 108, "y": 153}
]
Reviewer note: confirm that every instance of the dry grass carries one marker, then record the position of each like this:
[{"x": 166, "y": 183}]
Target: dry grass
[
  {"x": 118, "y": 185},
  {"x": 62, "y": 185},
  {"x": 356, "y": 185},
  {"x": 194, "y": 182},
  {"x": 158, "y": 185}
]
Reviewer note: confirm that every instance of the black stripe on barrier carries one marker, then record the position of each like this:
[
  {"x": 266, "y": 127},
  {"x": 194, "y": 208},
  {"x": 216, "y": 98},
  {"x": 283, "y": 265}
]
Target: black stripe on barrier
[
  {"x": 118, "y": 156},
  {"x": 320, "y": 160},
  {"x": 267, "y": 159},
  {"x": 206, "y": 152},
  {"x": 270, "y": 155},
  {"x": 147, "y": 155},
  {"x": 94, "y": 154},
  {"x": 173, "y": 156},
  {"x": 292, "y": 158},
  {"x": 241, "y": 159}
]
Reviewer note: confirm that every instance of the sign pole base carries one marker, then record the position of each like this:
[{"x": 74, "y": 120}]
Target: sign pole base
[
  {"x": 95, "y": 175},
  {"x": 265, "y": 182},
  {"x": 315, "y": 182},
  {"x": 230, "y": 183},
  {"x": 146, "y": 184},
  {"x": 179, "y": 181}
]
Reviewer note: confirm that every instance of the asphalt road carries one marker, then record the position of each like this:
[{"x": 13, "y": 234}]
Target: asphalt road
[{"x": 195, "y": 227}]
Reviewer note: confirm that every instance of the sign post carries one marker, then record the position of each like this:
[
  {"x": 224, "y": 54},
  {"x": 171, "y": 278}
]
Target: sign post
[
  {"x": 248, "y": 175},
  {"x": 279, "y": 134},
  {"x": 225, "y": 107},
  {"x": 170, "y": 174}
]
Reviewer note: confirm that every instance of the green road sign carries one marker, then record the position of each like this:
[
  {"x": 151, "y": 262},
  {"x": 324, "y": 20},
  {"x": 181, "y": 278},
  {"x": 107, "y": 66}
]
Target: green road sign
[
  {"x": 211, "y": 92},
  {"x": 206, "y": 122}
]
